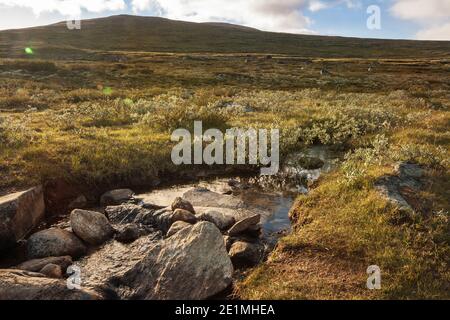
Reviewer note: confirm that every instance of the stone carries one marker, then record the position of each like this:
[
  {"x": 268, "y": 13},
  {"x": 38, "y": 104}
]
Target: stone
[
  {"x": 177, "y": 226},
  {"x": 245, "y": 254},
  {"x": 125, "y": 213},
  {"x": 192, "y": 265},
  {"x": 52, "y": 271},
  {"x": 79, "y": 203},
  {"x": 222, "y": 220},
  {"x": 24, "y": 285},
  {"x": 202, "y": 197},
  {"x": 409, "y": 170},
  {"x": 90, "y": 226},
  {"x": 36, "y": 265},
  {"x": 131, "y": 232},
  {"x": 183, "y": 215},
  {"x": 116, "y": 197},
  {"x": 53, "y": 243},
  {"x": 180, "y": 203},
  {"x": 228, "y": 242},
  {"x": 20, "y": 213},
  {"x": 244, "y": 224}
]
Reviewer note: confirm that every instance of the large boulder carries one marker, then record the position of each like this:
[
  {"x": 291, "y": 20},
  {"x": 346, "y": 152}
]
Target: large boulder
[
  {"x": 244, "y": 225},
  {"x": 53, "y": 243},
  {"x": 20, "y": 213},
  {"x": 192, "y": 264},
  {"x": 116, "y": 197},
  {"x": 36, "y": 265},
  {"x": 90, "y": 226},
  {"x": 24, "y": 285}
]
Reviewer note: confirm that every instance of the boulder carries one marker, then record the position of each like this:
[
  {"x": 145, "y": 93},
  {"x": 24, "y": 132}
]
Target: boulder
[
  {"x": 92, "y": 227},
  {"x": 177, "y": 226},
  {"x": 222, "y": 220},
  {"x": 53, "y": 243},
  {"x": 244, "y": 224},
  {"x": 52, "y": 271},
  {"x": 79, "y": 203},
  {"x": 245, "y": 254},
  {"x": 125, "y": 213},
  {"x": 24, "y": 285},
  {"x": 20, "y": 213},
  {"x": 180, "y": 203},
  {"x": 37, "y": 264},
  {"x": 115, "y": 197},
  {"x": 183, "y": 215},
  {"x": 192, "y": 264}
]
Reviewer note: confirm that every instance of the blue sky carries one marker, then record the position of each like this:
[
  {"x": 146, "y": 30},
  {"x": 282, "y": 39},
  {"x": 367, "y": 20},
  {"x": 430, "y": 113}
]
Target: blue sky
[{"x": 406, "y": 19}]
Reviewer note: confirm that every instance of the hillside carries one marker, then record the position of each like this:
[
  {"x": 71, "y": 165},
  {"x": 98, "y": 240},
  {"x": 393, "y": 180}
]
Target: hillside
[{"x": 133, "y": 33}]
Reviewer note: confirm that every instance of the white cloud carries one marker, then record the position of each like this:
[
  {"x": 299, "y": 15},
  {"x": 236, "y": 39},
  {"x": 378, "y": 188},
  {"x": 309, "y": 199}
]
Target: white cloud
[
  {"x": 432, "y": 15},
  {"x": 66, "y": 7}
]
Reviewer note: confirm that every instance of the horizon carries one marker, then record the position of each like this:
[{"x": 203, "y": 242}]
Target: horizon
[{"x": 392, "y": 19}]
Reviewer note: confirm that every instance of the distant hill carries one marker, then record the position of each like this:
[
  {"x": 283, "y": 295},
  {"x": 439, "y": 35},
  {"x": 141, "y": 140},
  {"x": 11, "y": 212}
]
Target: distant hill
[{"x": 135, "y": 33}]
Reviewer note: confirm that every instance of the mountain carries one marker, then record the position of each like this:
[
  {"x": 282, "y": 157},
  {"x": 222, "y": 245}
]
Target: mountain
[{"x": 135, "y": 33}]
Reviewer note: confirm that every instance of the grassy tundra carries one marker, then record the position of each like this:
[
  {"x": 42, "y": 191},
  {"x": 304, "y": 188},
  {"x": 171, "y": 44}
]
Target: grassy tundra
[{"x": 99, "y": 112}]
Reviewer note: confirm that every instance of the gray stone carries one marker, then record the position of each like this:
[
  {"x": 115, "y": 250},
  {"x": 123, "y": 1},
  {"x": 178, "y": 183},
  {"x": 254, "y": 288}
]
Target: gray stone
[
  {"x": 116, "y": 197},
  {"x": 79, "y": 203},
  {"x": 177, "y": 226},
  {"x": 192, "y": 264},
  {"x": 244, "y": 254},
  {"x": 36, "y": 265},
  {"x": 20, "y": 213},
  {"x": 125, "y": 213},
  {"x": 243, "y": 225},
  {"x": 131, "y": 232},
  {"x": 90, "y": 226},
  {"x": 180, "y": 203},
  {"x": 24, "y": 285},
  {"x": 201, "y": 197},
  {"x": 53, "y": 243},
  {"x": 222, "y": 220}
]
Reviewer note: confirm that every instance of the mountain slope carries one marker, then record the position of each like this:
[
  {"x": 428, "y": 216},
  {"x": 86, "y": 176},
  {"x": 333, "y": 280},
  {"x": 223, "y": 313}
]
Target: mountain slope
[{"x": 134, "y": 33}]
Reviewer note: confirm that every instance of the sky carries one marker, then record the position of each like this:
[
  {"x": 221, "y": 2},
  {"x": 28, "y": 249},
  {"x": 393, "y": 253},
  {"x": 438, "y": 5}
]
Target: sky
[{"x": 394, "y": 19}]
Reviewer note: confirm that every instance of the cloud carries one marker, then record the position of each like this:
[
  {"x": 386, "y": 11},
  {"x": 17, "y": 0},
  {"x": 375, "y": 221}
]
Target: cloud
[
  {"x": 432, "y": 15},
  {"x": 66, "y": 7}
]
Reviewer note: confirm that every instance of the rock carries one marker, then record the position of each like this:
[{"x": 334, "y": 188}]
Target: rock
[
  {"x": 244, "y": 225},
  {"x": 20, "y": 213},
  {"x": 220, "y": 219},
  {"x": 52, "y": 271},
  {"x": 53, "y": 243},
  {"x": 92, "y": 227},
  {"x": 192, "y": 264},
  {"x": 244, "y": 254},
  {"x": 183, "y": 215},
  {"x": 37, "y": 264},
  {"x": 131, "y": 232},
  {"x": 79, "y": 203},
  {"x": 177, "y": 226},
  {"x": 201, "y": 197},
  {"x": 116, "y": 197},
  {"x": 228, "y": 242},
  {"x": 125, "y": 213},
  {"x": 180, "y": 203},
  {"x": 407, "y": 170},
  {"x": 23, "y": 285}
]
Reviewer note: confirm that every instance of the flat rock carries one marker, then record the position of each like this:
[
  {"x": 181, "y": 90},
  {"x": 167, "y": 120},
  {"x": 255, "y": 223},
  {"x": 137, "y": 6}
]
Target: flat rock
[
  {"x": 245, "y": 224},
  {"x": 125, "y": 213},
  {"x": 53, "y": 243},
  {"x": 192, "y": 264},
  {"x": 202, "y": 197},
  {"x": 20, "y": 213},
  {"x": 24, "y": 285},
  {"x": 116, "y": 197},
  {"x": 36, "y": 265},
  {"x": 90, "y": 226}
]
